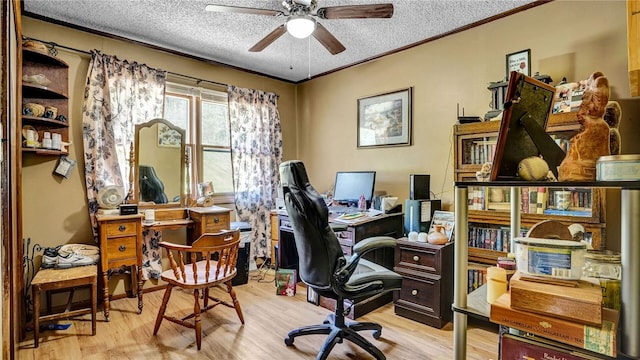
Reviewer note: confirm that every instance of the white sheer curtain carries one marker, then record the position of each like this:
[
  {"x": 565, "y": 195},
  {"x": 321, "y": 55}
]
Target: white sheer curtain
[{"x": 256, "y": 153}]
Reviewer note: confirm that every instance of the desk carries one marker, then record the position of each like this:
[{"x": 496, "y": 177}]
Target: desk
[
  {"x": 383, "y": 225},
  {"x": 121, "y": 238}
]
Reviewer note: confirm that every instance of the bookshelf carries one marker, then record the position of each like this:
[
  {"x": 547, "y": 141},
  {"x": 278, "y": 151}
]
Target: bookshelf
[{"x": 490, "y": 207}]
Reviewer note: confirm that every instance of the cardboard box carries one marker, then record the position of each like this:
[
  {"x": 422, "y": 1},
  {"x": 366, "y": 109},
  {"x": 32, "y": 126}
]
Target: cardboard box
[
  {"x": 600, "y": 339},
  {"x": 582, "y": 303}
]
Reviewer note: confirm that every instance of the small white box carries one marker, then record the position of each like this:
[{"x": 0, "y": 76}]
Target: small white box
[{"x": 561, "y": 259}]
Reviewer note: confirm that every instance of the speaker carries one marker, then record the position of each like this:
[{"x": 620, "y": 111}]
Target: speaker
[
  {"x": 418, "y": 214},
  {"x": 419, "y": 187}
]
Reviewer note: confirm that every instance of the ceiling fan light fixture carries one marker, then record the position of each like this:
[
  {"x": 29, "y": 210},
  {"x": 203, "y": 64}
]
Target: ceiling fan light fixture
[{"x": 301, "y": 26}]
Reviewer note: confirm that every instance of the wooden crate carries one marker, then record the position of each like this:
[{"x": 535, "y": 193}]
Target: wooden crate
[{"x": 582, "y": 303}]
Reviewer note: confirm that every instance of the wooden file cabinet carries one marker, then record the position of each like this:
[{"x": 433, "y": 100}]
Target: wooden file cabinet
[
  {"x": 427, "y": 282},
  {"x": 120, "y": 245}
]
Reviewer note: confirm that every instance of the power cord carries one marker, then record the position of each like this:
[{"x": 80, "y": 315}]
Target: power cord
[{"x": 262, "y": 271}]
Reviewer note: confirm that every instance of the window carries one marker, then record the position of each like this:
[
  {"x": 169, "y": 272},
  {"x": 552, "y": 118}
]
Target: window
[{"x": 204, "y": 114}]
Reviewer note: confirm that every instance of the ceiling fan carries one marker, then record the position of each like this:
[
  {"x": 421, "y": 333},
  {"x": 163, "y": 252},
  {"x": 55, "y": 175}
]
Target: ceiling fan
[{"x": 300, "y": 20}]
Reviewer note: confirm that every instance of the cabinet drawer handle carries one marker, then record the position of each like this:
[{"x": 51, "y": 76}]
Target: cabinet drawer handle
[
  {"x": 414, "y": 292},
  {"x": 416, "y": 258},
  {"x": 216, "y": 220},
  {"x": 122, "y": 228},
  {"x": 123, "y": 248}
]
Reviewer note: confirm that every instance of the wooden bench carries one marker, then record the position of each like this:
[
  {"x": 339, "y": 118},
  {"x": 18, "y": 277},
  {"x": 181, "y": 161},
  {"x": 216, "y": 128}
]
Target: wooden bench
[{"x": 55, "y": 280}]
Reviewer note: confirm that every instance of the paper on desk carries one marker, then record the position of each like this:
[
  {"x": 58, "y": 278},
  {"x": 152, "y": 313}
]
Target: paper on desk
[{"x": 354, "y": 218}]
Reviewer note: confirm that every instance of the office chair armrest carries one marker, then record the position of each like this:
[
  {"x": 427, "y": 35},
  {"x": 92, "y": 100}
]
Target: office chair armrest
[
  {"x": 364, "y": 246},
  {"x": 359, "y": 249}
]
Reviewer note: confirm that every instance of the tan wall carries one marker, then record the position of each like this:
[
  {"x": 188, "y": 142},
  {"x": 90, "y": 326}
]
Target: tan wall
[
  {"x": 55, "y": 209},
  {"x": 568, "y": 39}
]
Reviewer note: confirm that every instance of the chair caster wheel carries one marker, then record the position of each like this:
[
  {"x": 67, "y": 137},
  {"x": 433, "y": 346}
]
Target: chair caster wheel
[
  {"x": 376, "y": 334},
  {"x": 288, "y": 341}
]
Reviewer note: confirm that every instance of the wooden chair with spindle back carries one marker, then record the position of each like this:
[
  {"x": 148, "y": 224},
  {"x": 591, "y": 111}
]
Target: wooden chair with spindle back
[{"x": 209, "y": 262}]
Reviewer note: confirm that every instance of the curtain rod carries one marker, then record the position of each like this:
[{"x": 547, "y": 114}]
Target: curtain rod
[{"x": 54, "y": 45}]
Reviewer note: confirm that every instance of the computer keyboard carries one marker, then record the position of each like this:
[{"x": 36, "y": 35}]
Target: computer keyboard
[{"x": 343, "y": 209}]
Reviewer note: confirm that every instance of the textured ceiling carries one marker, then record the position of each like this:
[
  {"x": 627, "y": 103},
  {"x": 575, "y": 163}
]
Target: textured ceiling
[{"x": 184, "y": 26}]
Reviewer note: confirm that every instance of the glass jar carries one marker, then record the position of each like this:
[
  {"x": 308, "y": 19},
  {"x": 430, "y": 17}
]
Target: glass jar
[{"x": 605, "y": 266}]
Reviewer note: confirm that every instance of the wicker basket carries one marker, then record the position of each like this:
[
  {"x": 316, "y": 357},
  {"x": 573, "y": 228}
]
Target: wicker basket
[
  {"x": 34, "y": 45},
  {"x": 33, "y": 109}
]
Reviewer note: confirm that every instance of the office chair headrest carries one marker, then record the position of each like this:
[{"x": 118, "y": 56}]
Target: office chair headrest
[{"x": 293, "y": 173}]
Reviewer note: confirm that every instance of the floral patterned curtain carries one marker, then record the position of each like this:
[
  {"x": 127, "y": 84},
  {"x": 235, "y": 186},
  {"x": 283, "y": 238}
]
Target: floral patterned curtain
[
  {"x": 118, "y": 94},
  {"x": 256, "y": 153}
]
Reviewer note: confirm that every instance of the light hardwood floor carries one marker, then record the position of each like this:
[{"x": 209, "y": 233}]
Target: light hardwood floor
[{"x": 268, "y": 318}]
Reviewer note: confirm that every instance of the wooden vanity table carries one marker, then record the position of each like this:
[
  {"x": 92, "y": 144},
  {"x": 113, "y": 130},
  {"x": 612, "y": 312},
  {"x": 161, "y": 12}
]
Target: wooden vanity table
[{"x": 121, "y": 238}]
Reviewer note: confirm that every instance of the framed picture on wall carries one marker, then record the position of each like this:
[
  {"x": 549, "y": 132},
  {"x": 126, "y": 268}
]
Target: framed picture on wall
[
  {"x": 519, "y": 61},
  {"x": 385, "y": 119}
]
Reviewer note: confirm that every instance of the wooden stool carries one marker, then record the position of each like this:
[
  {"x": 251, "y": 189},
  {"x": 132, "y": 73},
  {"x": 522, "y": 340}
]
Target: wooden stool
[{"x": 48, "y": 280}]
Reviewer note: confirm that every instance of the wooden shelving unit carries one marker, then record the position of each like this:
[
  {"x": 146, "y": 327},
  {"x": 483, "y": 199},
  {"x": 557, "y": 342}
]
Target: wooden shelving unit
[
  {"x": 489, "y": 207},
  {"x": 473, "y": 305},
  {"x": 53, "y": 95}
]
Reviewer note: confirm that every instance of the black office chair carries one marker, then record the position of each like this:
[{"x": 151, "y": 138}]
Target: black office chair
[{"x": 323, "y": 267}]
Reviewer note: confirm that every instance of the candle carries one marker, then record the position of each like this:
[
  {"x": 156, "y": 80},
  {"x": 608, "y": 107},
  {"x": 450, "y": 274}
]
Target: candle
[{"x": 149, "y": 216}]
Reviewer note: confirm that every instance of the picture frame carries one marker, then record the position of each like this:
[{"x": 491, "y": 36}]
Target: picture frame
[
  {"x": 514, "y": 143},
  {"x": 64, "y": 166},
  {"x": 446, "y": 219},
  {"x": 205, "y": 189},
  {"x": 385, "y": 119},
  {"x": 168, "y": 137},
  {"x": 519, "y": 61}
]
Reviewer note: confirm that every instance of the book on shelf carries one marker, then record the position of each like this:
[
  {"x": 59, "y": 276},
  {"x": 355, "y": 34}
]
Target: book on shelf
[
  {"x": 524, "y": 202},
  {"x": 568, "y": 212},
  {"x": 541, "y": 200},
  {"x": 499, "y": 206},
  {"x": 491, "y": 238},
  {"x": 576, "y": 99},
  {"x": 533, "y": 200},
  {"x": 477, "y": 276}
]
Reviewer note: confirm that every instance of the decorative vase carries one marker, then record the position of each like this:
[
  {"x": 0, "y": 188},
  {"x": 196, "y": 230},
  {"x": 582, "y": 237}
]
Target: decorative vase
[{"x": 438, "y": 236}]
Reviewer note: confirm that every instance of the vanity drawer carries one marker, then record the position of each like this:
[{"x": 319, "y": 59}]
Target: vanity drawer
[
  {"x": 121, "y": 228},
  {"x": 120, "y": 248},
  {"x": 216, "y": 222}
]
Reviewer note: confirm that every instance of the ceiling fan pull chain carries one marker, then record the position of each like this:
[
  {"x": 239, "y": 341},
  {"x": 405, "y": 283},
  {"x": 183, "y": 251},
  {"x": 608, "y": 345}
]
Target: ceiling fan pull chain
[
  {"x": 290, "y": 55},
  {"x": 309, "y": 57}
]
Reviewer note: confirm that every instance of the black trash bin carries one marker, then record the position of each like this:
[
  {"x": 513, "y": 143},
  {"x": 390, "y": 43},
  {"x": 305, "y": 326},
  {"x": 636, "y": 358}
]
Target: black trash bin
[{"x": 244, "y": 253}]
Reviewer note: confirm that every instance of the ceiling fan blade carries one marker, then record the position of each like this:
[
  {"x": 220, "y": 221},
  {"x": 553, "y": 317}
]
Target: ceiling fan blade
[
  {"x": 267, "y": 40},
  {"x": 356, "y": 11},
  {"x": 328, "y": 40},
  {"x": 243, "y": 10}
]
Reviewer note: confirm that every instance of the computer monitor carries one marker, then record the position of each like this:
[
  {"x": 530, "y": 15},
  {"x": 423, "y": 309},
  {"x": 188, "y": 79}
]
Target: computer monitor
[{"x": 350, "y": 185}]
